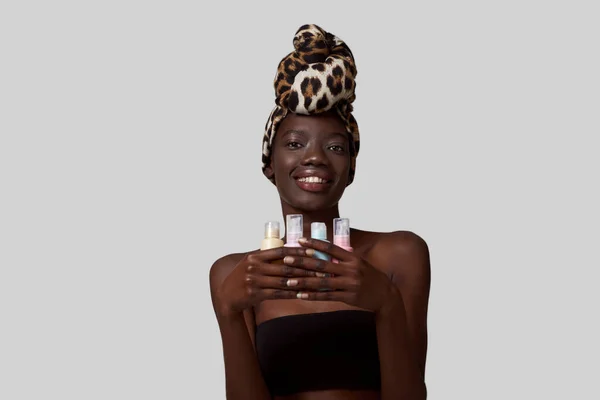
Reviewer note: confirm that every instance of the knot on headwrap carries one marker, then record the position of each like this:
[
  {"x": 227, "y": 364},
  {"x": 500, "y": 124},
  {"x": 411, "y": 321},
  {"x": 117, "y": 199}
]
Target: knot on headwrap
[{"x": 319, "y": 75}]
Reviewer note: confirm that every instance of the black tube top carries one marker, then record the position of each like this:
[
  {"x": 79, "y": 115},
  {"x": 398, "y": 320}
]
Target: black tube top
[{"x": 320, "y": 351}]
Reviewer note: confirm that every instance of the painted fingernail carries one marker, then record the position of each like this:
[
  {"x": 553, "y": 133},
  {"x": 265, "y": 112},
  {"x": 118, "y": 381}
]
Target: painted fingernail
[
  {"x": 302, "y": 240},
  {"x": 310, "y": 252},
  {"x": 292, "y": 282},
  {"x": 301, "y": 295},
  {"x": 288, "y": 259}
]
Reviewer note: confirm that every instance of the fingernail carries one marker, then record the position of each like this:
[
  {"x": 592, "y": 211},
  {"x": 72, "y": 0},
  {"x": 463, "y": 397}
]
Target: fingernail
[
  {"x": 292, "y": 282},
  {"x": 302, "y": 240},
  {"x": 310, "y": 252},
  {"x": 250, "y": 267},
  {"x": 301, "y": 295},
  {"x": 288, "y": 259},
  {"x": 323, "y": 275}
]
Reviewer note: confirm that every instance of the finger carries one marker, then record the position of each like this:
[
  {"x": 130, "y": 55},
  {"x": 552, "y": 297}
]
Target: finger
[
  {"x": 326, "y": 247},
  {"x": 276, "y": 294},
  {"x": 279, "y": 270},
  {"x": 274, "y": 282},
  {"x": 332, "y": 283},
  {"x": 343, "y": 296},
  {"x": 314, "y": 264},
  {"x": 277, "y": 253}
]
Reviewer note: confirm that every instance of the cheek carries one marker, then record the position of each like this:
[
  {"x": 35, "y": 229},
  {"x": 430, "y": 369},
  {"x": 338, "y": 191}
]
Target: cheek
[
  {"x": 281, "y": 165},
  {"x": 343, "y": 164}
]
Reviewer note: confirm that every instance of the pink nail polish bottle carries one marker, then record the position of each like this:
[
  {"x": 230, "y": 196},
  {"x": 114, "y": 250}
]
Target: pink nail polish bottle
[
  {"x": 341, "y": 234},
  {"x": 294, "y": 229}
]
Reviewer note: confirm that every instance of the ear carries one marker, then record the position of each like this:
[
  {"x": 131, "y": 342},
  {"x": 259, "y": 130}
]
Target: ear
[{"x": 268, "y": 172}]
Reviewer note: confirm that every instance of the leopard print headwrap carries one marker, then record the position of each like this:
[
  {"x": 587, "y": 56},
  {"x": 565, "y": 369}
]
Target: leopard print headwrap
[{"x": 317, "y": 76}]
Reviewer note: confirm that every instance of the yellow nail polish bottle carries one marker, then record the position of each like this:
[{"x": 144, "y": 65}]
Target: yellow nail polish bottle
[{"x": 271, "y": 239}]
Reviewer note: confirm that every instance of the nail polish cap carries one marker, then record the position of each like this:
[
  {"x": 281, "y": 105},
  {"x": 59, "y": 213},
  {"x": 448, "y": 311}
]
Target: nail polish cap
[
  {"x": 272, "y": 230},
  {"x": 294, "y": 228},
  {"x": 341, "y": 232},
  {"x": 318, "y": 230}
]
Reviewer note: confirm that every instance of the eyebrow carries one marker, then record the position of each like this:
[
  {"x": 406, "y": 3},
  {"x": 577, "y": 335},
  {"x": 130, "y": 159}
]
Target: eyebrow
[
  {"x": 301, "y": 132},
  {"x": 290, "y": 131},
  {"x": 340, "y": 134}
]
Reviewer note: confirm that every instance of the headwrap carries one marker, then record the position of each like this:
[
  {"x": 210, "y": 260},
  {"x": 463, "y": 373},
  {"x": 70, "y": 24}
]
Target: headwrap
[{"x": 319, "y": 75}]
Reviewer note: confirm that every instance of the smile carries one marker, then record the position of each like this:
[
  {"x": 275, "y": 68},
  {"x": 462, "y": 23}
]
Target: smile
[
  {"x": 313, "y": 184},
  {"x": 312, "y": 179}
]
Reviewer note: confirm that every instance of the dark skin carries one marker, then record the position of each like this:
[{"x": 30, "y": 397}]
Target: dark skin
[{"x": 386, "y": 273}]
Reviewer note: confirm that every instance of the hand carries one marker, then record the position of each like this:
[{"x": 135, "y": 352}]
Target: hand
[
  {"x": 256, "y": 278},
  {"x": 354, "y": 281}
]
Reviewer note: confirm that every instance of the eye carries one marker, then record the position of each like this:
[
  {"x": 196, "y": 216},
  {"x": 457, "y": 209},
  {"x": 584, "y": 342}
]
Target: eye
[
  {"x": 293, "y": 145},
  {"x": 337, "y": 148}
]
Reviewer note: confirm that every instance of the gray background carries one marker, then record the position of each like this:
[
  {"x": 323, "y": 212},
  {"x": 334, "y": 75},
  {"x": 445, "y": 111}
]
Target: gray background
[{"x": 130, "y": 161}]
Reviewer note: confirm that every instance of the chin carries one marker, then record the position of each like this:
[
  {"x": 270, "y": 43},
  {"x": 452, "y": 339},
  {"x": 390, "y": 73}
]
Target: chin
[
  {"x": 309, "y": 207},
  {"x": 310, "y": 202}
]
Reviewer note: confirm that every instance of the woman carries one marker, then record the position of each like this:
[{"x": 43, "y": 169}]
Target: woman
[{"x": 297, "y": 327}]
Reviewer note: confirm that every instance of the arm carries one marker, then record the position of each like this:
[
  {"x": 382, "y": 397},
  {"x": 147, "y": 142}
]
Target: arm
[
  {"x": 402, "y": 320},
  {"x": 400, "y": 303},
  {"x": 243, "y": 378}
]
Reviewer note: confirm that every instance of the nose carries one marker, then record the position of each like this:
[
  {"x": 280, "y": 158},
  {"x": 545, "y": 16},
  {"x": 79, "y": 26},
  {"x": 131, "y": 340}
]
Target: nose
[{"x": 314, "y": 155}]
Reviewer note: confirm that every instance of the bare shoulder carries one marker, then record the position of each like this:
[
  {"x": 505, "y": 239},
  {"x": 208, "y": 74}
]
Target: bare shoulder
[
  {"x": 223, "y": 266},
  {"x": 401, "y": 254},
  {"x": 403, "y": 243}
]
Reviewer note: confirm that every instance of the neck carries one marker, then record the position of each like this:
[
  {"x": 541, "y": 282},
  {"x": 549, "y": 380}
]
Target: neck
[{"x": 326, "y": 215}]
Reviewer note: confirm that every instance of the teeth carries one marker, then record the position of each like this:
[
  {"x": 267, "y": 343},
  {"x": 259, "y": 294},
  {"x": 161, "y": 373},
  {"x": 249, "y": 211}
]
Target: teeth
[{"x": 311, "y": 179}]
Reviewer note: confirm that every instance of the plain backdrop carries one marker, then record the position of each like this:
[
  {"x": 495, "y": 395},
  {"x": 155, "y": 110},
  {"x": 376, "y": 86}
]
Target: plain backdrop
[{"x": 130, "y": 161}]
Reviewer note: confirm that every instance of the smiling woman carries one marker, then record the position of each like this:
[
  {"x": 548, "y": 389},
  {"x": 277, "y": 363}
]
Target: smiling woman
[
  {"x": 352, "y": 325},
  {"x": 310, "y": 161}
]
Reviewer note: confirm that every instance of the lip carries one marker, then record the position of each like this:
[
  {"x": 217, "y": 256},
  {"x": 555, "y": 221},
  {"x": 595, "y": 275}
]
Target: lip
[
  {"x": 313, "y": 172},
  {"x": 313, "y": 186}
]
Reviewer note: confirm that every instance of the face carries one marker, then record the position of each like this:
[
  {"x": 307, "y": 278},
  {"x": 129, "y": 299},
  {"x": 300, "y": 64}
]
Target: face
[{"x": 310, "y": 160}]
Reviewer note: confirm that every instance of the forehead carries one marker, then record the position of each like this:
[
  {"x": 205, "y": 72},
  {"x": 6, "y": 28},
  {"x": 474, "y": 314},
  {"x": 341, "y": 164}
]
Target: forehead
[{"x": 325, "y": 123}]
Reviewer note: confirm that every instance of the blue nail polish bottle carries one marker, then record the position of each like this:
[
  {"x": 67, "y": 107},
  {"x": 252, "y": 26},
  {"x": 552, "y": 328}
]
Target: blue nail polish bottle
[{"x": 318, "y": 230}]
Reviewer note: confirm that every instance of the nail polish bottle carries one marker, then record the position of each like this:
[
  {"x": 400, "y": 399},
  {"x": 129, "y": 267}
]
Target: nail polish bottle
[
  {"x": 341, "y": 234},
  {"x": 294, "y": 229},
  {"x": 271, "y": 239},
  {"x": 318, "y": 230}
]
